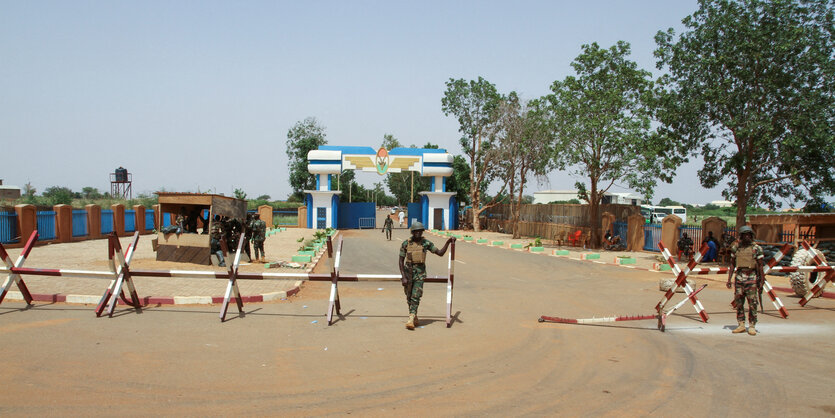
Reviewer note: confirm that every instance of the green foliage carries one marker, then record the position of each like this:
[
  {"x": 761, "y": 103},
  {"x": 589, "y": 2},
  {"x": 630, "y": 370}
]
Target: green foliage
[
  {"x": 91, "y": 193},
  {"x": 240, "y": 194},
  {"x": 302, "y": 138},
  {"x": 58, "y": 196},
  {"x": 752, "y": 88},
  {"x": 668, "y": 202},
  {"x": 263, "y": 197},
  {"x": 459, "y": 181}
]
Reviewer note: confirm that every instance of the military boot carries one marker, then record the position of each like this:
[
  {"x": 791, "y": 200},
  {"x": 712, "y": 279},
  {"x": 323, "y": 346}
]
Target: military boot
[
  {"x": 416, "y": 320},
  {"x": 752, "y": 330},
  {"x": 411, "y": 323},
  {"x": 740, "y": 329}
]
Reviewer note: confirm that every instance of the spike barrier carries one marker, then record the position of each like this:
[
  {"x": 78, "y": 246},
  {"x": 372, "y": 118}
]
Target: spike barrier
[
  {"x": 122, "y": 277},
  {"x": 661, "y": 317},
  {"x": 681, "y": 280},
  {"x": 818, "y": 287}
]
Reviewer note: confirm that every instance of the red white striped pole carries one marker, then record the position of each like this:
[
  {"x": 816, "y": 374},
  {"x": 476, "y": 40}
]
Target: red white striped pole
[
  {"x": 818, "y": 287},
  {"x": 232, "y": 284},
  {"x": 601, "y": 320},
  {"x": 450, "y": 284},
  {"x": 681, "y": 281},
  {"x": 333, "y": 300},
  {"x": 15, "y": 277}
]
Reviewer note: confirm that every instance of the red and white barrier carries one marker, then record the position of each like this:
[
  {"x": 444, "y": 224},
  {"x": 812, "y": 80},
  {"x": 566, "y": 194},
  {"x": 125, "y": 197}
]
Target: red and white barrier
[
  {"x": 681, "y": 280},
  {"x": 818, "y": 287},
  {"x": 121, "y": 277}
]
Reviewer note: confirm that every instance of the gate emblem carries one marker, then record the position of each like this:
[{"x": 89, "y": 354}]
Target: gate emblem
[{"x": 382, "y": 161}]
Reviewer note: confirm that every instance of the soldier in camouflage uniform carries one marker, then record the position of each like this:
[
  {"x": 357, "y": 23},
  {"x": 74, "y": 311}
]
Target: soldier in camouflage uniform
[
  {"x": 413, "y": 272},
  {"x": 214, "y": 240},
  {"x": 747, "y": 258},
  {"x": 259, "y": 232},
  {"x": 247, "y": 235}
]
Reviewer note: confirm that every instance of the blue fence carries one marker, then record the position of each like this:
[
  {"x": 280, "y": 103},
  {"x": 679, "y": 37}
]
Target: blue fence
[
  {"x": 107, "y": 221},
  {"x": 652, "y": 234},
  {"x": 79, "y": 223},
  {"x": 8, "y": 228},
  {"x": 46, "y": 225},
  {"x": 285, "y": 217},
  {"x": 149, "y": 220},
  {"x": 130, "y": 220},
  {"x": 620, "y": 230}
]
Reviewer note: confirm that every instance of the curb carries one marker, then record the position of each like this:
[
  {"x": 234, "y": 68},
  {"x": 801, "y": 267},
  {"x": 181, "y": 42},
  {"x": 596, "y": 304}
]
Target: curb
[{"x": 173, "y": 300}]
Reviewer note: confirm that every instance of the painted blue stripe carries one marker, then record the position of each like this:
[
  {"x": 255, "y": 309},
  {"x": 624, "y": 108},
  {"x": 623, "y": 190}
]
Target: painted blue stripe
[
  {"x": 425, "y": 164},
  {"x": 324, "y": 161}
]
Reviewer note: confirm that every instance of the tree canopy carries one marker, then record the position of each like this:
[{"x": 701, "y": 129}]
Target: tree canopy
[
  {"x": 602, "y": 126},
  {"x": 751, "y": 89},
  {"x": 303, "y": 137}
]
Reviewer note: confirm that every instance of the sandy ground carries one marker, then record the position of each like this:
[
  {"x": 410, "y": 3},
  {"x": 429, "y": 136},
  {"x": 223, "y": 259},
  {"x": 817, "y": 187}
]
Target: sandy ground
[{"x": 282, "y": 358}]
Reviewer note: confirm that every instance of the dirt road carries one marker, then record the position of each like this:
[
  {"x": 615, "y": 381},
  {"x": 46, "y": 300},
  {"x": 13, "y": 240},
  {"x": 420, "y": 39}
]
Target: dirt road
[{"x": 283, "y": 359}]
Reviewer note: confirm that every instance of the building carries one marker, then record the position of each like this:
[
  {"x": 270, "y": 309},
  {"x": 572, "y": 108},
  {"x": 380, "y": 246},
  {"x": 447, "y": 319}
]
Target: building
[
  {"x": 547, "y": 196},
  {"x": 723, "y": 203},
  {"x": 9, "y": 192}
]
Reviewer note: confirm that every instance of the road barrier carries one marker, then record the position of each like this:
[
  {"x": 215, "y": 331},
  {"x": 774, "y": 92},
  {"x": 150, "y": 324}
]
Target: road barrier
[{"x": 121, "y": 277}]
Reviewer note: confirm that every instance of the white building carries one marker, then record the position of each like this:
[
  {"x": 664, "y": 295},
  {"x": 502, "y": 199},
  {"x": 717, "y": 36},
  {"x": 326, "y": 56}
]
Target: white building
[
  {"x": 547, "y": 196},
  {"x": 723, "y": 203}
]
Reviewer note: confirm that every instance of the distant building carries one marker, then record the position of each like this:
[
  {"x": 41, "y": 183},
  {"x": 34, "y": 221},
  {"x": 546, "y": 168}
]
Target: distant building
[
  {"x": 9, "y": 192},
  {"x": 723, "y": 203},
  {"x": 547, "y": 196}
]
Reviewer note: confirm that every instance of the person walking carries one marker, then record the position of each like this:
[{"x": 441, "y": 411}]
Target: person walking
[
  {"x": 400, "y": 217},
  {"x": 259, "y": 232},
  {"x": 413, "y": 268},
  {"x": 387, "y": 225},
  {"x": 747, "y": 258}
]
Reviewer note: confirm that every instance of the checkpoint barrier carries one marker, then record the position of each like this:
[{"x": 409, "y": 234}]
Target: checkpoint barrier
[{"x": 121, "y": 277}]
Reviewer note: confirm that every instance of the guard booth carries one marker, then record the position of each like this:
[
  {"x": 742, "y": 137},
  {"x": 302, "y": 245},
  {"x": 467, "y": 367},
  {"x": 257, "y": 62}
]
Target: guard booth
[{"x": 190, "y": 247}]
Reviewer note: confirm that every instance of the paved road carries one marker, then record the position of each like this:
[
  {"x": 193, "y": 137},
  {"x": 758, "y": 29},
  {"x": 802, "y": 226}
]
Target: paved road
[{"x": 495, "y": 360}]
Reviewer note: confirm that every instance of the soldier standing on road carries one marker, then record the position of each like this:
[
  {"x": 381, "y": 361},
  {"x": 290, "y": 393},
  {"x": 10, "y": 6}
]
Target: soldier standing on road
[
  {"x": 259, "y": 232},
  {"x": 413, "y": 273},
  {"x": 387, "y": 224},
  {"x": 747, "y": 257},
  {"x": 247, "y": 235},
  {"x": 214, "y": 240}
]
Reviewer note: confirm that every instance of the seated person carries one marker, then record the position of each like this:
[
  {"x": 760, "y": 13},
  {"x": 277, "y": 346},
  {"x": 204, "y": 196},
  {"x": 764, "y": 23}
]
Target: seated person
[
  {"x": 685, "y": 246},
  {"x": 611, "y": 239},
  {"x": 713, "y": 245}
]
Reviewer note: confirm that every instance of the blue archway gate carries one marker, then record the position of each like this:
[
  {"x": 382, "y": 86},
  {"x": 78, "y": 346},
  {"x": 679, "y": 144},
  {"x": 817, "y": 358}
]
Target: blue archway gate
[{"x": 438, "y": 208}]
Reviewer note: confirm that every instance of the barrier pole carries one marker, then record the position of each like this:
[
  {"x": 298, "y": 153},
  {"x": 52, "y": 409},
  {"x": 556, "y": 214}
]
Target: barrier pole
[
  {"x": 13, "y": 276},
  {"x": 333, "y": 301},
  {"x": 817, "y": 288},
  {"x": 681, "y": 281},
  {"x": 450, "y": 284},
  {"x": 232, "y": 284},
  {"x": 123, "y": 273}
]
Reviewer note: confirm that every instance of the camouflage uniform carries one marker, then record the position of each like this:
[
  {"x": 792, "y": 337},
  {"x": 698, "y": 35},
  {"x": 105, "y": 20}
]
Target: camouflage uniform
[
  {"x": 214, "y": 241},
  {"x": 387, "y": 224},
  {"x": 745, "y": 286},
  {"x": 259, "y": 232},
  {"x": 415, "y": 273}
]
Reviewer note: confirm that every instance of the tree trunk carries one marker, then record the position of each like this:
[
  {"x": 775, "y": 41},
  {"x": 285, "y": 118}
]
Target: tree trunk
[
  {"x": 594, "y": 215},
  {"x": 516, "y": 234},
  {"x": 742, "y": 197}
]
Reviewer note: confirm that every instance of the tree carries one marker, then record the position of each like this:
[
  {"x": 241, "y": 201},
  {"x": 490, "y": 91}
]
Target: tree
[
  {"x": 751, "y": 86},
  {"x": 474, "y": 104},
  {"x": 58, "y": 195},
  {"x": 522, "y": 142},
  {"x": 668, "y": 202},
  {"x": 601, "y": 122},
  {"x": 302, "y": 138},
  {"x": 263, "y": 197},
  {"x": 240, "y": 194},
  {"x": 459, "y": 181},
  {"x": 90, "y": 193}
]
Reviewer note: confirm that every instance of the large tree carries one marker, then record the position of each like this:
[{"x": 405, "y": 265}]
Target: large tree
[
  {"x": 303, "y": 137},
  {"x": 751, "y": 87},
  {"x": 602, "y": 126},
  {"x": 474, "y": 103},
  {"x": 524, "y": 143}
]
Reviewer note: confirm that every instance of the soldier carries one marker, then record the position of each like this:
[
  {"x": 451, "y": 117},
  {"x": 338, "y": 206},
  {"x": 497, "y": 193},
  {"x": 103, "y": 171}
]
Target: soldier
[
  {"x": 247, "y": 235},
  {"x": 747, "y": 257},
  {"x": 214, "y": 240},
  {"x": 413, "y": 252},
  {"x": 259, "y": 231},
  {"x": 387, "y": 224}
]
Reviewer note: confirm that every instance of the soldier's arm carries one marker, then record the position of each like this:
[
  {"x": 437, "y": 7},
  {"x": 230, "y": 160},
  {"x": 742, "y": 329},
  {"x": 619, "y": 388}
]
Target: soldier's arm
[
  {"x": 442, "y": 251},
  {"x": 402, "y": 270},
  {"x": 731, "y": 270}
]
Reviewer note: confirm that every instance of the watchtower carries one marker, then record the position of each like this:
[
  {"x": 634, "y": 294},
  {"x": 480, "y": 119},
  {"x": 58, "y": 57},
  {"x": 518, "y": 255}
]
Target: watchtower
[{"x": 120, "y": 184}]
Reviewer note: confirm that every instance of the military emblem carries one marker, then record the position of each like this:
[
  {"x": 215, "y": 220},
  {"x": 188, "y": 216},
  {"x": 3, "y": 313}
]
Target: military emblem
[{"x": 382, "y": 161}]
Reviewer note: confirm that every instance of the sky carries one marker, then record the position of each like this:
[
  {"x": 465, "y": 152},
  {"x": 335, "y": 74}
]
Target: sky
[{"x": 199, "y": 95}]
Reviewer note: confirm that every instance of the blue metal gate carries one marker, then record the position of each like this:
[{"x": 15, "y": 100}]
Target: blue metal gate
[{"x": 356, "y": 215}]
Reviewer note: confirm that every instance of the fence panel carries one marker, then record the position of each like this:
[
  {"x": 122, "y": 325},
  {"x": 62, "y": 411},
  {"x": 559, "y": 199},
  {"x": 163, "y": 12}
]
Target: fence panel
[
  {"x": 285, "y": 217},
  {"x": 106, "y": 221},
  {"x": 149, "y": 220},
  {"x": 620, "y": 229},
  {"x": 8, "y": 228},
  {"x": 46, "y": 225},
  {"x": 652, "y": 234},
  {"x": 130, "y": 220},
  {"x": 79, "y": 223}
]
